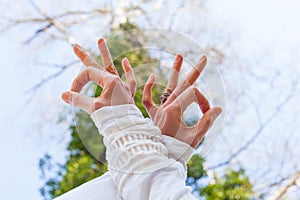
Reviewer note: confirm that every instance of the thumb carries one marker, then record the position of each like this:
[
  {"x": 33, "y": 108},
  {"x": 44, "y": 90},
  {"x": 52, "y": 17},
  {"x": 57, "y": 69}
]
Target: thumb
[{"x": 78, "y": 100}]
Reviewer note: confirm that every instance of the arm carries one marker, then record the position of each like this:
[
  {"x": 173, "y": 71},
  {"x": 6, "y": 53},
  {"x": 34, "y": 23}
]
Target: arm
[
  {"x": 104, "y": 186},
  {"x": 112, "y": 85},
  {"x": 96, "y": 189},
  {"x": 137, "y": 157}
]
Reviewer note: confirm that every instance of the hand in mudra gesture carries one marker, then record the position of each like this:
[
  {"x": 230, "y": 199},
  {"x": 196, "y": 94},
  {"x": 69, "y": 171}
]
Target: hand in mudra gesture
[
  {"x": 114, "y": 90},
  {"x": 175, "y": 100}
]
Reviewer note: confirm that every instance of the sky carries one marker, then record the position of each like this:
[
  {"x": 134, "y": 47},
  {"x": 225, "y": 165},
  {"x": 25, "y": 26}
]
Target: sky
[{"x": 257, "y": 27}]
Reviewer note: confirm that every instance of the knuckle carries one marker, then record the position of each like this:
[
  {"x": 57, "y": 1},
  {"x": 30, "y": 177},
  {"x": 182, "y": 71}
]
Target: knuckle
[
  {"x": 75, "y": 100},
  {"x": 89, "y": 69},
  {"x": 207, "y": 121},
  {"x": 174, "y": 108},
  {"x": 185, "y": 83},
  {"x": 115, "y": 79},
  {"x": 127, "y": 89},
  {"x": 172, "y": 86},
  {"x": 77, "y": 84},
  {"x": 145, "y": 101},
  {"x": 109, "y": 66},
  {"x": 132, "y": 83}
]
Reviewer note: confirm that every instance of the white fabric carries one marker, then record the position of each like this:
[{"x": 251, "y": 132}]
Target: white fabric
[
  {"x": 96, "y": 189},
  {"x": 141, "y": 165}
]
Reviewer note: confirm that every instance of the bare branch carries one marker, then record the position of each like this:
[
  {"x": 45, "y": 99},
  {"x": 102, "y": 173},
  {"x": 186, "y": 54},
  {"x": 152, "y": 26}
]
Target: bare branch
[
  {"x": 283, "y": 190},
  {"x": 260, "y": 128},
  {"x": 174, "y": 14},
  {"x": 52, "y": 76},
  {"x": 272, "y": 184},
  {"x": 37, "y": 32}
]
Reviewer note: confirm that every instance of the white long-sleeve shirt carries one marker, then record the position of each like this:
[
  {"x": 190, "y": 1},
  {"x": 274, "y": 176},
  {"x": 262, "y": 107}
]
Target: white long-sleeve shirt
[{"x": 143, "y": 164}]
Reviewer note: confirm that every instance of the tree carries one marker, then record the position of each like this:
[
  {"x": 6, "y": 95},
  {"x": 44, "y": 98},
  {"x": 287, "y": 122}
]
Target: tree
[{"x": 58, "y": 28}]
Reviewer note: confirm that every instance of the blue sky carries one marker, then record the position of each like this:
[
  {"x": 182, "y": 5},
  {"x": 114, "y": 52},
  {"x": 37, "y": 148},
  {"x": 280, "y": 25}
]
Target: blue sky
[{"x": 255, "y": 28}]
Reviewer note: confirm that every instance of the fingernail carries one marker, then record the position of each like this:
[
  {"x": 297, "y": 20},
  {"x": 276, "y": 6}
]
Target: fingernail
[
  {"x": 67, "y": 97},
  {"x": 178, "y": 57},
  {"x": 125, "y": 64},
  {"x": 203, "y": 58},
  {"x": 126, "y": 60},
  {"x": 151, "y": 78},
  {"x": 77, "y": 46},
  {"x": 100, "y": 41}
]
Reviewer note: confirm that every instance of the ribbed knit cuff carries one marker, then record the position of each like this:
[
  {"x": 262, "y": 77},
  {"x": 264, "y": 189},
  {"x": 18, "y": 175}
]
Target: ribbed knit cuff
[
  {"x": 127, "y": 134},
  {"x": 178, "y": 150}
]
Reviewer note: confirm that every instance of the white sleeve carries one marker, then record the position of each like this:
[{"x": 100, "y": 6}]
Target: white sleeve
[
  {"x": 101, "y": 188},
  {"x": 179, "y": 151},
  {"x": 137, "y": 158}
]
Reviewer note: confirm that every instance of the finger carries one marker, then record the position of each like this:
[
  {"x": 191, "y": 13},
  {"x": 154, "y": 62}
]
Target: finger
[
  {"x": 190, "y": 95},
  {"x": 207, "y": 121},
  {"x": 201, "y": 100},
  {"x": 85, "y": 58},
  {"x": 190, "y": 79},
  {"x": 195, "y": 73},
  {"x": 147, "y": 97},
  {"x": 130, "y": 77},
  {"x": 78, "y": 100},
  {"x": 173, "y": 81},
  {"x": 106, "y": 57},
  {"x": 183, "y": 100},
  {"x": 92, "y": 74}
]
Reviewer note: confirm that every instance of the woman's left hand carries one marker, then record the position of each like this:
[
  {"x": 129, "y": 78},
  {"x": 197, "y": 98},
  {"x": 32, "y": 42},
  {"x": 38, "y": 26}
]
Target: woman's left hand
[{"x": 168, "y": 117}]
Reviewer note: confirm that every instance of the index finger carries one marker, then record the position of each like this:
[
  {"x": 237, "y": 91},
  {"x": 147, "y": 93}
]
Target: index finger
[
  {"x": 106, "y": 57},
  {"x": 85, "y": 58},
  {"x": 100, "y": 77}
]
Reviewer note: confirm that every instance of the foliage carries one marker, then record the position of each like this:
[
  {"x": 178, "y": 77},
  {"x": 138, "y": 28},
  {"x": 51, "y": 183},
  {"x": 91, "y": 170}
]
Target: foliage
[
  {"x": 79, "y": 168},
  {"x": 234, "y": 185},
  {"x": 195, "y": 167}
]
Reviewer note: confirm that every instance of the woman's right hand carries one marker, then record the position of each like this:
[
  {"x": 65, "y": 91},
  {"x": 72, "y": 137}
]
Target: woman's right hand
[{"x": 168, "y": 117}]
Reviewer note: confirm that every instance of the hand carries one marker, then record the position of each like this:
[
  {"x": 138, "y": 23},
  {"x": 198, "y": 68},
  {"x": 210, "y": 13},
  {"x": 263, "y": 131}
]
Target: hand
[
  {"x": 168, "y": 117},
  {"x": 115, "y": 92}
]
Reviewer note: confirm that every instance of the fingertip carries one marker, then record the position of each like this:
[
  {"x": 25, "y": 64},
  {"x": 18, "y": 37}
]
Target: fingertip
[
  {"x": 77, "y": 49},
  {"x": 203, "y": 59},
  {"x": 100, "y": 41},
  {"x": 125, "y": 61},
  {"x": 67, "y": 97},
  {"x": 76, "y": 46},
  {"x": 151, "y": 78},
  {"x": 126, "y": 65},
  {"x": 178, "y": 57},
  {"x": 217, "y": 111},
  {"x": 178, "y": 62}
]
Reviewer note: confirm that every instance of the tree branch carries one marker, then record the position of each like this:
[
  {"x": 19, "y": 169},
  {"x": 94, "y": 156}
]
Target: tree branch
[
  {"x": 283, "y": 190},
  {"x": 42, "y": 82},
  {"x": 260, "y": 129}
]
